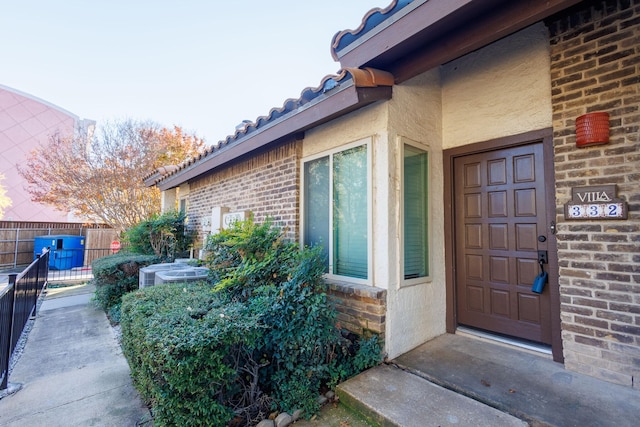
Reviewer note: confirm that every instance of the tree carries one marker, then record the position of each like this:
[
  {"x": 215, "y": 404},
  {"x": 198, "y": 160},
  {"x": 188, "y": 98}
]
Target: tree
[
  {"x": 5, "y": 201},
  {"x": 101, "y": 176}
]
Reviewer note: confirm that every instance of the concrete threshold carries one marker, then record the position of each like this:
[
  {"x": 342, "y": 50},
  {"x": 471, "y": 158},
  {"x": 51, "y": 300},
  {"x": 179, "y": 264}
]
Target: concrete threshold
[
  {"x": 391, "y": 397},
  {"x": 525, "y": 384}
]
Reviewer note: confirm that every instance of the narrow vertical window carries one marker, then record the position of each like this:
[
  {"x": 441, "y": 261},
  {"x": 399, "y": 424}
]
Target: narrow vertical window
[
  {"x": 336, "y": 203},
  {"x": 416, "y": 250},
  {"x": 350, "y": 212},
  {"x": 316, "y": 205}
]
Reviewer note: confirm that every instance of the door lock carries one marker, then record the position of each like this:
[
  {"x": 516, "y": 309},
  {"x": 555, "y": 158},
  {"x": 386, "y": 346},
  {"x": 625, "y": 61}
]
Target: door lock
[{"x": 543, "y": 257}]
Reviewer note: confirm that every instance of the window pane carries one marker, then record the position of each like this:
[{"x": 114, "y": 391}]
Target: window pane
[
  {"x": 416, "y": 253},
  {"x": 350, "y": 212},
  {"x": 316, "y": 205}
]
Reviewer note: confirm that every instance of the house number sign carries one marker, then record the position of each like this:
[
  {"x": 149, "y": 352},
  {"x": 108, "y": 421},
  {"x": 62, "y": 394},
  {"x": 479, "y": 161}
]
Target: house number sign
[{"x": 595, "y": 203}]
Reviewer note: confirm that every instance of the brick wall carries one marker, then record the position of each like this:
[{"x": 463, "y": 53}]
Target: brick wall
[
  {"x": 267, "y": 184},
  {"x": 595, "y": 66},
  {"x": 361, "y": 309}
]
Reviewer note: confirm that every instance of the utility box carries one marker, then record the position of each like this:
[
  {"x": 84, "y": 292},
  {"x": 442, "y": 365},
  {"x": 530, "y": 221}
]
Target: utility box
[{"x": 66, "y": 253}]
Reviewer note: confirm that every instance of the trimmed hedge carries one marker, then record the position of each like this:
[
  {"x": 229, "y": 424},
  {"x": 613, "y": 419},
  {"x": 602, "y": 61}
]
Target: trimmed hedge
[
  {"x": 165, "y": 236},
  {"x": 182, "y": 343},
  {"x": 116, "y": 275}
]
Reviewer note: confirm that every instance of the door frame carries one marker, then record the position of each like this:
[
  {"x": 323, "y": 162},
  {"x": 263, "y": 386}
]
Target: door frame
[{"x": 545, "y": 136}]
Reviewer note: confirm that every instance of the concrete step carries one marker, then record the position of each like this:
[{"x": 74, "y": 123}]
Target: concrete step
[
  {"x": 389, "y": 396},
  {"x": 522, "y": 383}
]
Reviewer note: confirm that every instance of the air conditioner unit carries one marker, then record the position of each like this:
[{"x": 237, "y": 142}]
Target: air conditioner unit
[
  {"x": 147, "y": 275},
  {"x": 192, "y": 274}
]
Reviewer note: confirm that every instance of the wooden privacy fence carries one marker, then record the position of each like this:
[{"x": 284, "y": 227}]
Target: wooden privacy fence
[{"x": 17, "y": 239}]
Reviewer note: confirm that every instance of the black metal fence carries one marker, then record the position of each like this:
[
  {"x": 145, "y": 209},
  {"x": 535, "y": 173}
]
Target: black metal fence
[
  {"x": 74, "y": 264},
  {"x": 70, "y": 265},
  {"x": 17, "y": 303}
]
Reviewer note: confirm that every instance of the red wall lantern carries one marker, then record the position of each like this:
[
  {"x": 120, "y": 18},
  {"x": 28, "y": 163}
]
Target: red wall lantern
[{"x": 592, "y": 129}]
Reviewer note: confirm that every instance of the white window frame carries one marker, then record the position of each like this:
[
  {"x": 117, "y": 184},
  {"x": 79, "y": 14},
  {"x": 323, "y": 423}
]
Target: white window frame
[
  {"x": 369, "y": 146},
  {"x": 429, "y": 277}
]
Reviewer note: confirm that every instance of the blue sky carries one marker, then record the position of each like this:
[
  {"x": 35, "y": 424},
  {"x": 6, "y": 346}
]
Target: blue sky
[{"x": 205, "y": 65}]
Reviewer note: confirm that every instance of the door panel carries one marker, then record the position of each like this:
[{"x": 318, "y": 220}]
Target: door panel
[{"x": 499, "y": 212}]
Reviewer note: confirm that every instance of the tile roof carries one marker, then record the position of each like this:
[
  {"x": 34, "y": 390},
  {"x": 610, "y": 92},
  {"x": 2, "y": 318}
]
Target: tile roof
[
  {"x": 365, "y": 77},
  {"x": 371, "y": 20},
  {"x": 348, "y": 77}
]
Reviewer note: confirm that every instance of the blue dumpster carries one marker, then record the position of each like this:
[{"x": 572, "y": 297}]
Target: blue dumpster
[{"x": 66, "y": 251}]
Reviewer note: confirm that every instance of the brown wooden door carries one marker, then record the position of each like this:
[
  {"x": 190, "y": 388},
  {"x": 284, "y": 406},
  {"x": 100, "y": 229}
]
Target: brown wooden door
[{"x": 500, "y": 224}]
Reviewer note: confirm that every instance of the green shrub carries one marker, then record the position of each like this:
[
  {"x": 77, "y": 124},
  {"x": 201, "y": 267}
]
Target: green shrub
[
  {"x": 283, "y": 286},
  {"x": 165, "y": 236},
  {"x": 116, "y": 275},
  {"x": 182, "y": 343},
  {"x": 262, "y": 333},
  {"x": 247, "y": 256}
]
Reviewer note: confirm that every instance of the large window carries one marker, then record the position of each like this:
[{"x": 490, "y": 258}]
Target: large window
[
  {"x": 336, "y": 210},
  {"x": 416, "y": 224}
]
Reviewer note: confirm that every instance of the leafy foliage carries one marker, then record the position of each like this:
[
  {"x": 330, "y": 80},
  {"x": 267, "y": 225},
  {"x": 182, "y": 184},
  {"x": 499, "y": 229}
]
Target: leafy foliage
[
  {"x": 163, "y": 235},
  {"x": 101, "y": 175},
  {"x": 186, "y": 369},
  {"x": 247, "y": 256},
  {"x": 262, "y": 333},
  {"x": 116, "y": 275}
]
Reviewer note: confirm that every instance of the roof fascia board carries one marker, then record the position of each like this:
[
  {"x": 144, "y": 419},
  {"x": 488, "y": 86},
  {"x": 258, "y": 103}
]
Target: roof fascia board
[
  {"x": 510, "y": 18},
  {"x": 439, "y": 31},
  {"x": 338, "y": 102},
  {"x": 399, "y": 28}
]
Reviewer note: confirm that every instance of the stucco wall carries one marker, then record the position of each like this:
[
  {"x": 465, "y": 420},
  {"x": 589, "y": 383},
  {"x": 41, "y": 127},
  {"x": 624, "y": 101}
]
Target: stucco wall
[
  {"x": 414, "y": 313},
  {"x": 368, "y": 122},
  {"x": 503, "y": 89}
]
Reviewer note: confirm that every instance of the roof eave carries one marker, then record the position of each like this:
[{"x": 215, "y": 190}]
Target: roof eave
[
  {"x": 338, "y": 102},
  {"x": 436, "y": 32}
]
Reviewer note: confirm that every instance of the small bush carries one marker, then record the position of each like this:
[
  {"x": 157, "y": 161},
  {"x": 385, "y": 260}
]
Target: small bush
[
  {"x": 165, "y": 236},
  {"x": 248, "y": 256},
  {"x": 184, "y": 345},
  {"x": 116, "y": 275}
]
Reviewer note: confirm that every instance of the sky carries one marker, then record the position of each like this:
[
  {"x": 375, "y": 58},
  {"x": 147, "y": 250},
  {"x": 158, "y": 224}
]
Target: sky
[{"x": 204, "y": 65}]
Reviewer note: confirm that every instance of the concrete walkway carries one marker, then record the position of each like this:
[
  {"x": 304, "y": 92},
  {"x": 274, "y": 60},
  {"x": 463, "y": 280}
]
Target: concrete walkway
[
  {"x": 71, "y": 371},
  {"x": 457, "y": 380}
]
